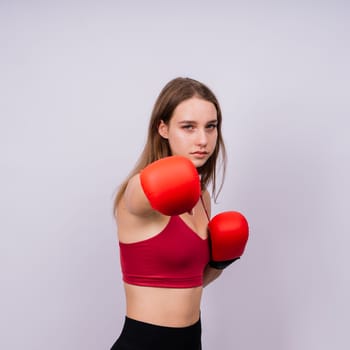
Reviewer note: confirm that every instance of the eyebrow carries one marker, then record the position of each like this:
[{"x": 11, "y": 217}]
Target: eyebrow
[{"x": 194, "y": 122}]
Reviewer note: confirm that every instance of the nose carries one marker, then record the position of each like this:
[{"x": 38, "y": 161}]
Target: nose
[{"x": 202, "y": 138}]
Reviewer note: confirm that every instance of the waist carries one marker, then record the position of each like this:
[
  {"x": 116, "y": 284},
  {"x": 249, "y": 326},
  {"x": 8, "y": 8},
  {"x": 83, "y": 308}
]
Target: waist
[
  {"x": 171, "y": 307},
  {"x": 154, "y": 337}
]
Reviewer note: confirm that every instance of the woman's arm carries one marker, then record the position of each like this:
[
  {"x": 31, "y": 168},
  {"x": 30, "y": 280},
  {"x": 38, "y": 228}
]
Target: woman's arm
[
  {"x": 160, "y": 187},
  {"x": 135, "y": 199},
  {"x": 210, "y": 274}
]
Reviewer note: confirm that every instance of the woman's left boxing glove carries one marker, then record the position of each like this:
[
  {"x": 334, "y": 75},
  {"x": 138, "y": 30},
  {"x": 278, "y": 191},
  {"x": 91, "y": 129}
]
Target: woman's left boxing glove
[
  {"x": 171, "y": 184},
  {"x": 228, "y": 232}
]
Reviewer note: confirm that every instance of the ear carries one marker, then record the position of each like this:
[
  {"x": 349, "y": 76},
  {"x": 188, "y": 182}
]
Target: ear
[{"x": 163, "y": 129}]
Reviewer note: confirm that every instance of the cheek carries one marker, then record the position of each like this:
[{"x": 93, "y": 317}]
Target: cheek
[
  {"x": 179, "y": 138},
  {"x": 180, "y": 143},
  {"x": 177, "y": 142},
  {"x": 214, "y": 138}
]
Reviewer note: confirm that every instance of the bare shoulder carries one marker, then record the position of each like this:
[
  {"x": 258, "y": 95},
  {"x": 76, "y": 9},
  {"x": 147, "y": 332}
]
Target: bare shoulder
[
  {"x": 134, "y": 199},
  {"x": 135, "y": 219}
]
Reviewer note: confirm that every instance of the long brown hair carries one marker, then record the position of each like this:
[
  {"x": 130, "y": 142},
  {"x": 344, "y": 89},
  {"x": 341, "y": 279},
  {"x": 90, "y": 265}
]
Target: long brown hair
[{"x": 157, "y": 147}]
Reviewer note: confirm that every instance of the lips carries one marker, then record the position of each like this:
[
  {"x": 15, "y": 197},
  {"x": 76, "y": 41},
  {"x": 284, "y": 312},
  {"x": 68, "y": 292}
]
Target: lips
[{"x": 201, "y": 153}]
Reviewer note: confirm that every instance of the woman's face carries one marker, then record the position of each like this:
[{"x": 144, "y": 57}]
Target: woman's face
[{"x": 192, "y": 130}]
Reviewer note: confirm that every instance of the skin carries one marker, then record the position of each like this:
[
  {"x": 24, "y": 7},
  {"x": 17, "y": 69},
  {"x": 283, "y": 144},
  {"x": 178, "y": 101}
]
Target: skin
[{"x": 191, "y": 133}]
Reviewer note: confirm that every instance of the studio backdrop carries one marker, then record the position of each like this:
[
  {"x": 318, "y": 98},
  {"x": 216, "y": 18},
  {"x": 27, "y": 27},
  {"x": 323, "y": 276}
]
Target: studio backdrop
[{"x": 78, "y": 83}]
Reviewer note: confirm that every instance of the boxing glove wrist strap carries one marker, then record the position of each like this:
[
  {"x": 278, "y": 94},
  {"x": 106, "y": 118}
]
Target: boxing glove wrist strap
[{"x": 220, "y": 265}]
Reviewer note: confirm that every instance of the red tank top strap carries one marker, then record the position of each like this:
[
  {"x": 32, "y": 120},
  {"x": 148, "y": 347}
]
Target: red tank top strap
[{"x": 205, "y": 209}]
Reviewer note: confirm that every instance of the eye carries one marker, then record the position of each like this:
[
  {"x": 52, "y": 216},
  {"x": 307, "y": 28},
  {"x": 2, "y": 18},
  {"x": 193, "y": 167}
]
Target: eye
[
  {"x": 212, "y": 126},
  {"x": 188, "y": 127}
]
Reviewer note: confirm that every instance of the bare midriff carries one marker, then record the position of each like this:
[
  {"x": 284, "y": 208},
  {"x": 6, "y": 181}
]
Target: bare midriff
[{"x": 170, "y": 307}]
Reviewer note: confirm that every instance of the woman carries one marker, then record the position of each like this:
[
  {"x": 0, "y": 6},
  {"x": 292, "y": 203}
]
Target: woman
[{"x": 162, "y": 217}]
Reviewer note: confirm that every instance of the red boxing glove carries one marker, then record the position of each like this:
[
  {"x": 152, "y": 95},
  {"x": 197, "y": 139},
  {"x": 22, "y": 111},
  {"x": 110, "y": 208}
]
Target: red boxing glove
[
  {"x": 172, "y": 185},
  {"x": 228, "y": 236}
]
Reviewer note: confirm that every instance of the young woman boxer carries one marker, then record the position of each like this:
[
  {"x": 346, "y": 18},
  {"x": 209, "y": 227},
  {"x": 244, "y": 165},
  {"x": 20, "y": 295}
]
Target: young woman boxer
[{"x": 170, "y": 248}]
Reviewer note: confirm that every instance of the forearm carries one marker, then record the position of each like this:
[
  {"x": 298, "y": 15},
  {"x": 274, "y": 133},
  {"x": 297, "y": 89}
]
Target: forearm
[{"x": 210, "y": 274}]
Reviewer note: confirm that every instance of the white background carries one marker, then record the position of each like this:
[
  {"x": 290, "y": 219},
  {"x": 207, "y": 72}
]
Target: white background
[{"x": 78, "y": 81}]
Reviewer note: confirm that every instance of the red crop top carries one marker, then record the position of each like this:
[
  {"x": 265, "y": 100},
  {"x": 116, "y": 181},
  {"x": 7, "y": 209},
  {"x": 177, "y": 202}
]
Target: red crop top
[{"x": 174, "y": 258}]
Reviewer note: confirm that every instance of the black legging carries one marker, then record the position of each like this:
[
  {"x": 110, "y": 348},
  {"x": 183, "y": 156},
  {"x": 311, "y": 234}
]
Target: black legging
[{"x": 137, "y": 335}]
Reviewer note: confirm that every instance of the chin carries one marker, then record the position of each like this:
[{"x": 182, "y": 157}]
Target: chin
[{"x": 198, "y": 162}]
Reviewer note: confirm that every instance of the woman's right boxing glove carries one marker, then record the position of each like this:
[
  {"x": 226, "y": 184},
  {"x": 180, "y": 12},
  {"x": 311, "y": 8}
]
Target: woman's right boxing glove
[{"x": 171, "y": 184}]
